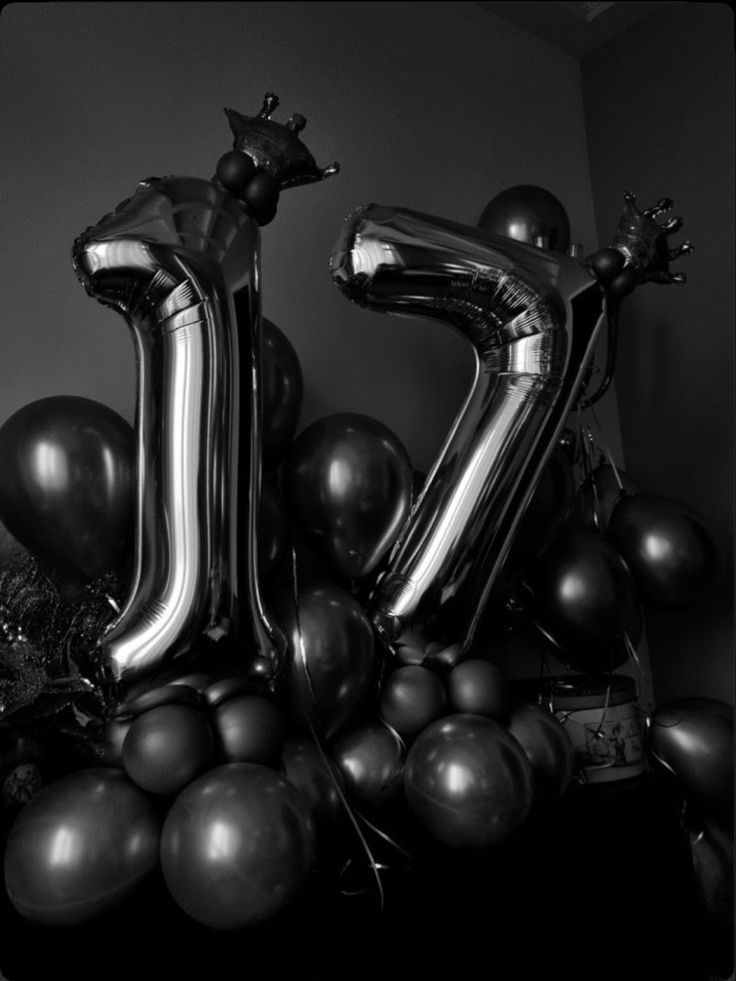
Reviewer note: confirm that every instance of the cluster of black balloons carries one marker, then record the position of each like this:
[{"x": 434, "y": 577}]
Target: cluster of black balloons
[{"x": 609, "y": 550}]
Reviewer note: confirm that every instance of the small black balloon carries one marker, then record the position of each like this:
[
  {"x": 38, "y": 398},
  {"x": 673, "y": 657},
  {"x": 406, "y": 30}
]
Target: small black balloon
[
  {"x": 262, "y": 196},
  {"x": 623, "y": 284},
  {"x": 526, "y": 213},
  {"x": 235, "y": 170},
  {"x": 607, "y": 263}
]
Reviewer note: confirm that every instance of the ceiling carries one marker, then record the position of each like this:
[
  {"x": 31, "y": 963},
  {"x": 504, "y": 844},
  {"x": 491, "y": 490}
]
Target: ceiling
[{"x": 577, "y": 28}]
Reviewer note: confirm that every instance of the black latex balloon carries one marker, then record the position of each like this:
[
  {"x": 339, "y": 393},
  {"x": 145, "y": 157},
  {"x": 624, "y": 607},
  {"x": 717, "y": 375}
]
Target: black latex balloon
[
  {"x": 80, "y": 847},
  {"x": 468, "y": 781},
  {"x": 669, "y": 551},
  {"x": 348, "y": 484},
  {"x": 331, "y": 655},
  {"x": 584, "y": 599},
  {"x": 693, "y": 738},
  {"x": 283, "y": 390},
  {"x": 549, "y": 748},
  {"x": 67, "y": 483},
  {"x": 526, "y": 213}
]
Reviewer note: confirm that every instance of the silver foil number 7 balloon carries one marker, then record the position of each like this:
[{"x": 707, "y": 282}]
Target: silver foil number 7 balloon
[{"x": 533, "y": 318}]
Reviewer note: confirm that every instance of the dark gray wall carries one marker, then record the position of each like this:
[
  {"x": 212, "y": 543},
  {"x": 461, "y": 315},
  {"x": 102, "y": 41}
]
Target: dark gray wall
[
  {"x": 659, "y": 104},
  {"x": 433, "y": 106}
]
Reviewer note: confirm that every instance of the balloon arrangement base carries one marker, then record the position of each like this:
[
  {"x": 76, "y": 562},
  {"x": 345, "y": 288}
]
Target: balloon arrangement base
[{"x": 601, "y": 887}]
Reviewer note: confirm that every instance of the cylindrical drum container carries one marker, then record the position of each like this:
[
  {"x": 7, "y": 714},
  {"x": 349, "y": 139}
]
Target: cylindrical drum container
[{"x": 604, "y": 724}]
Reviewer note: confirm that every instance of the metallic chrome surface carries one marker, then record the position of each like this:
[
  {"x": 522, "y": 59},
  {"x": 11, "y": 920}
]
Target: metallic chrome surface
[
  {"x": 180, "y": 261},
  {"x": 532, "y": 317}
]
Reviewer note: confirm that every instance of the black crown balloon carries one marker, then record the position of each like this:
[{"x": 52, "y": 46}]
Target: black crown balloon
[{"x": 180, "y": 260}]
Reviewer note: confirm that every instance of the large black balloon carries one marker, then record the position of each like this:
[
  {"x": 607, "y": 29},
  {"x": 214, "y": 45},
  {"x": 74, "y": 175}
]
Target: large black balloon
[
  {"x": 237, "y": 846},
  {"x": 526, "y": 213},
  {"x": 283, "y": 390},
  {"x": 693, "y": 737},
  {"x": 669, "y": 551},
  {"x": 348, "y": 482},
  {"x": 80, "y": 847},
  {"x": 468, "y": 781},
  {"x": 584, "y": 599},
  {"x": 67, "y": 483}
]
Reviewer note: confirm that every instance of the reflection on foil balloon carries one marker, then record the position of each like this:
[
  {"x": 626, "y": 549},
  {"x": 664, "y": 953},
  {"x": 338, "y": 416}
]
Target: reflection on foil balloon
[
  {"x": 67, "y": 483},
  {"x": 532, "y": 318},
  {"x": 528, "y": 214},
  {"x": 180, "y": 261},
  {"x": 348, "y": 482},
  {"x": 412, "y": 696}
]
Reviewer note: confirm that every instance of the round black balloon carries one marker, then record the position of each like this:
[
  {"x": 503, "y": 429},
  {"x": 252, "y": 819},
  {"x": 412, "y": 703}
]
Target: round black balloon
[
  {"x": 693, "y": 737},
  {"x": 468, "y": 781},
  {"x": 67, "y": 483},
  {"x": 235, "y": 170},
  {"x": 80, "y": 847},
  {"x": 525, "y": 213},
  {"x": 600, "y": 493},
  {"x": 283, "y": 391},
  {"x": 584, "y": 599},
  {"x": 670, "y": 553},
  {"x": 237, "y": 846},
  {"x": 348, "y": 484},
  {"x": 331, "y": 656}
]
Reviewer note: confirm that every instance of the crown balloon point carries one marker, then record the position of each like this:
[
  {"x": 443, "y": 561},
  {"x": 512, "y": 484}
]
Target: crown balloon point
[{"x": 275, "y": 148}]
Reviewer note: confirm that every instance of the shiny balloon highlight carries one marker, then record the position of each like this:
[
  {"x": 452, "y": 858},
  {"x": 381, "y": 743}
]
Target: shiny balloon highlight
[
  {"x": 80, "y": 847},
  {"x": 67, "y": 483},
  {"x": 348, "y": 482},
  {"x": 237, "y": 846}
]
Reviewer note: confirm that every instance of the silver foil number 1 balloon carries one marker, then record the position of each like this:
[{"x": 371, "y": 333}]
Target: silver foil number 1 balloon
[
  {"x": 533, "y": 318},
  {"x": 180, "y": 260}
]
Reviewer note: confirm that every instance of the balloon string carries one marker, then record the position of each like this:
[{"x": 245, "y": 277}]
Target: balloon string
[
  {"x": 327, "y": 762},
  {"x": 606, "y": 449}
]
